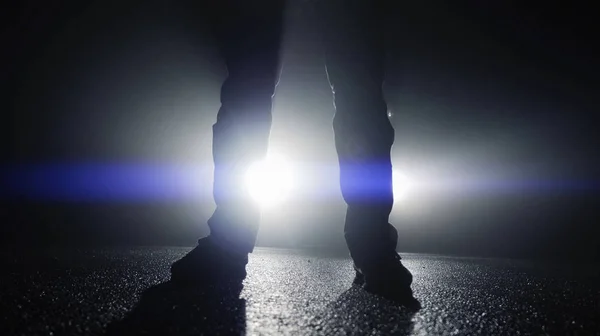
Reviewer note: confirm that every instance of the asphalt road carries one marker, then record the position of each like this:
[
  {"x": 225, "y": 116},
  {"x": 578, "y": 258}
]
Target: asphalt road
[{"x": 125, "y": 291}]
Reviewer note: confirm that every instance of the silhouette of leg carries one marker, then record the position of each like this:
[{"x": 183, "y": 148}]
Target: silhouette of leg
[
  {"x": 364, "y": 136},
  {"x": 249, "y": 36},
  {"x": 363, "y": 133}
]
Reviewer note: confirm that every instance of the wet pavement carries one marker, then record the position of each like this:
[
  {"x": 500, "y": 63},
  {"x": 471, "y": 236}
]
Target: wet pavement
[{"x": 126, "y": 292}]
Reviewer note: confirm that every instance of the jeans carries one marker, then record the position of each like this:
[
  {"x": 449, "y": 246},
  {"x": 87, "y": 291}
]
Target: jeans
[{"x": 249, "y": 37}]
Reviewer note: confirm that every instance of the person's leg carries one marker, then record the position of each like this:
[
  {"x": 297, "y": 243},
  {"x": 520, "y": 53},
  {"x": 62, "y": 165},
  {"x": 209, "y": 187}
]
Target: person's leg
[
  {"x": 363, "y": 132},
  {"x": 355, "y": 54},
  {"x": 248, "y": 34}
]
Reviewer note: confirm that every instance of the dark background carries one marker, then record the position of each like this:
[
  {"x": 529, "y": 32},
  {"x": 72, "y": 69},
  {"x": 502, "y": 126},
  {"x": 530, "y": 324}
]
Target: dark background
[{"x": 500, "y": 98}]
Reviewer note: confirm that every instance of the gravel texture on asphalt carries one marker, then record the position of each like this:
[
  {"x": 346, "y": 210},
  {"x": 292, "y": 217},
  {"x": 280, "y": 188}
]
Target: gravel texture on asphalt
[{"x": 126, "y": 291}]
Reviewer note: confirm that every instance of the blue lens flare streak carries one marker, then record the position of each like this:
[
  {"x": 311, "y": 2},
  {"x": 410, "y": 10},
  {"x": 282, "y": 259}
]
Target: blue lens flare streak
[
  {"x": 78, "y": 182},
  {"x": 158, "y": 181}
]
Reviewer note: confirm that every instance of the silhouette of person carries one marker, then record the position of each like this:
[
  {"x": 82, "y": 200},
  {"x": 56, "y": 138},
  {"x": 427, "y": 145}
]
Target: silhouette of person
[{"x": 249, "y": 37}]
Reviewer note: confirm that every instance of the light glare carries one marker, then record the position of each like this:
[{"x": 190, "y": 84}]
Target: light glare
[
  {"x": 401, "y": 185},
  {"x": 270, "y": 181}
]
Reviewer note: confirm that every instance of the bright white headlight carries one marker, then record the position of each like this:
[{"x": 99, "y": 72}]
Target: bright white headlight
[{"x": 270, "y": 181}]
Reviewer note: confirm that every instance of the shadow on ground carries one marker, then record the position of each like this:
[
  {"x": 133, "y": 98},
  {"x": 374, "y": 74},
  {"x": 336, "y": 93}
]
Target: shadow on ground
[
  {"x": 169, "y": 309},
  {"x": 356, "y": 312}
]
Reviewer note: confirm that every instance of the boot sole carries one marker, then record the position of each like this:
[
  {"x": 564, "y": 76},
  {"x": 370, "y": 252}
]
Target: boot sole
[{"x": 359, "y": 279}]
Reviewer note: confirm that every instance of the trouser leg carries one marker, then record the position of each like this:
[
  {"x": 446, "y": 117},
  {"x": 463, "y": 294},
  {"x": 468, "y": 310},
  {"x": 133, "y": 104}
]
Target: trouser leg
[
  {"x": 249, "y": 36},
  {"x": 354, "y": 42}
]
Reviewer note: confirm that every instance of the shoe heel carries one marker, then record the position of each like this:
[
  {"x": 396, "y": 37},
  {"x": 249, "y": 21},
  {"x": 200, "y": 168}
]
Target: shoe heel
[{"x": 359, "y": 279}]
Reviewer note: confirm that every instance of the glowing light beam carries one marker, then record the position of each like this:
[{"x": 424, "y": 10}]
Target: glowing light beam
[{"x": 270, "y": 181}]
